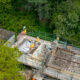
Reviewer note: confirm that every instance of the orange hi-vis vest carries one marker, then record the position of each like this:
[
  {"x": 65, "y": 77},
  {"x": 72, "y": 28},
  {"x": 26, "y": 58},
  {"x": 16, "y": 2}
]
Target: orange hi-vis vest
[
  {"x": 37, "y": 39},
  {"x": 33, "y": 78},
  {"x": 24, "y": 32}
]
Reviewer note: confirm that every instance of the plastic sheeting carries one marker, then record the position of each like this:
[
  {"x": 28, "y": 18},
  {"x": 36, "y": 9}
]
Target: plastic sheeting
[{"x": 25, "y": 47}]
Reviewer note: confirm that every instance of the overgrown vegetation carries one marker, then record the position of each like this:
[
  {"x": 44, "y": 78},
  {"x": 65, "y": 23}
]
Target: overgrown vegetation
[
  {"x": 66, "y": 21},
  {"x": 9, "y": 66},
  {"x": 61, "y": 17}
]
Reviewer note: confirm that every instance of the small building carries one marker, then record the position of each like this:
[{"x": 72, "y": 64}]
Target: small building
[{"x": 8, "y": 37}]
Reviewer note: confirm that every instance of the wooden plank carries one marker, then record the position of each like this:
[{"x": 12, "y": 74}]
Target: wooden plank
[{"x": 51, "y": 72}]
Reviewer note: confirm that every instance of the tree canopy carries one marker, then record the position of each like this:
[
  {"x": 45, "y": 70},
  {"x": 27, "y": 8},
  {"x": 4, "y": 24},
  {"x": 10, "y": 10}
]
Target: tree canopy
[
  {"x": 61, "y": 17},
  {"x": 66, "y": 21},
  {"x": 9, "y": 66}
]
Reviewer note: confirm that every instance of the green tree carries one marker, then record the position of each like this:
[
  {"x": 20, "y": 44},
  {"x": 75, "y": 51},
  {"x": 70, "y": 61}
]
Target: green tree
[
  {"x": 5, "y": 6},
  {"x": 9, "y": 69},
  {"x": 66, "y": 21}
]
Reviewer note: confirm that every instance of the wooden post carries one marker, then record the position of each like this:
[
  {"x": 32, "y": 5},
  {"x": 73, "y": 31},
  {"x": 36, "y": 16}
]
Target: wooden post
[{"x": 45, "y": 35}]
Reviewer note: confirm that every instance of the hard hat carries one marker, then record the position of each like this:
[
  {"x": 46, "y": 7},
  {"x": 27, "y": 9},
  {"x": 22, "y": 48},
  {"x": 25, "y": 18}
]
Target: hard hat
[
  {"x": 24, "y": 27},
  {"x": 29, "y": 39},
  {"x": 58, "y": 38}
]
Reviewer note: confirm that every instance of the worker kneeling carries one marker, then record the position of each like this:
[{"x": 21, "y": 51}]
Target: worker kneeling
[{"x": 32, "y": 46}]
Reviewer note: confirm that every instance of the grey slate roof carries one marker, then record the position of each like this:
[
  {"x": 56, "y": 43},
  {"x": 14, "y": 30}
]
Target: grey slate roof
[{"x": 5, "y": 35}]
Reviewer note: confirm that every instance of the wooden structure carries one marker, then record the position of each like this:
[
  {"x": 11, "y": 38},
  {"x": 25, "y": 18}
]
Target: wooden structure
[
  {"x": 63, "y": 64},
  {"x": 57, "y": 62},
  {"x": 33, "y": 57}
]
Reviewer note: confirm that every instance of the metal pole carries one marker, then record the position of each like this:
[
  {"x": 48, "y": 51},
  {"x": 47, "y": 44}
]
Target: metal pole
[{"x": 45, "y": 35}]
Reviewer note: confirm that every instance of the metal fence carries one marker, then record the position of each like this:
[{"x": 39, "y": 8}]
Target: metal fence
[
  {"x": 42, "y": 35},
  {"x": 52, "y": 37}
]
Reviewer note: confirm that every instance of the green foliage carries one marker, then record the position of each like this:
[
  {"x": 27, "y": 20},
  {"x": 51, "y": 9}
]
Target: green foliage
[
  {"x": 16, "y": 23},
  {"x": 15, "y": 20},
  {"x": 59, "y": 16},
  {"x": 9, "y": 69},
  {"x": 5, "y": 6},
  {"x": 66, "y": 21}
]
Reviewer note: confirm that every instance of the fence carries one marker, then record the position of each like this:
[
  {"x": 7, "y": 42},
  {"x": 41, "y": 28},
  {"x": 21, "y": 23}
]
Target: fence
[
  {"x": 42, "y": 35},
  {"x": 51, "y": 37}
]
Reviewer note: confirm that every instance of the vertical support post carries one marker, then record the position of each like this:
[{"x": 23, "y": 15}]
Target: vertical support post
[
  {"x": 32, "y": 33},
  {"x": 45, "y": 35},
  {"x": 65, "y": 45},
  {"x": 38, "y": 33}
]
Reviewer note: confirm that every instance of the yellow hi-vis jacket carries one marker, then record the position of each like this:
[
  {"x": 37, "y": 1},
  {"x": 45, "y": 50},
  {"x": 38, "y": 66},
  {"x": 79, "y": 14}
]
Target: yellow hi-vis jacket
[
  {"x": 37, "y": 39},
  {"x": 24, "y": 32},
  {"x": 33, "y": 45}
]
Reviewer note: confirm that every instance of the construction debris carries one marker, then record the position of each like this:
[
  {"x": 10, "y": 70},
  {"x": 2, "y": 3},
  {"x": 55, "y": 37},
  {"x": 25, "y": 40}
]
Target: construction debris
[
  {"x": 27, "y": 73},
  {"x": 31, "y": 56},
  {"x": 38, "y": 76},
  {"x": 49, "y": 59}
]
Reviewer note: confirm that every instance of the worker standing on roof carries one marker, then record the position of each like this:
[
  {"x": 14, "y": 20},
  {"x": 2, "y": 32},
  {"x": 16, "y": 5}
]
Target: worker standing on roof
[
  {"x": 32, "y": 46},
  {"x": 58, "y": 38},
  {"x": 33, "y": 78},
  {"x": 24, "y": 30},
  {"x": 37, "y": 39}
]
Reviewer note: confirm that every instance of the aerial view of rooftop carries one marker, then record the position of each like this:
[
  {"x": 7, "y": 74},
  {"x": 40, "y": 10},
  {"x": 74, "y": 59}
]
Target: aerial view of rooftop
[{"x": 39, "y": 39}]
